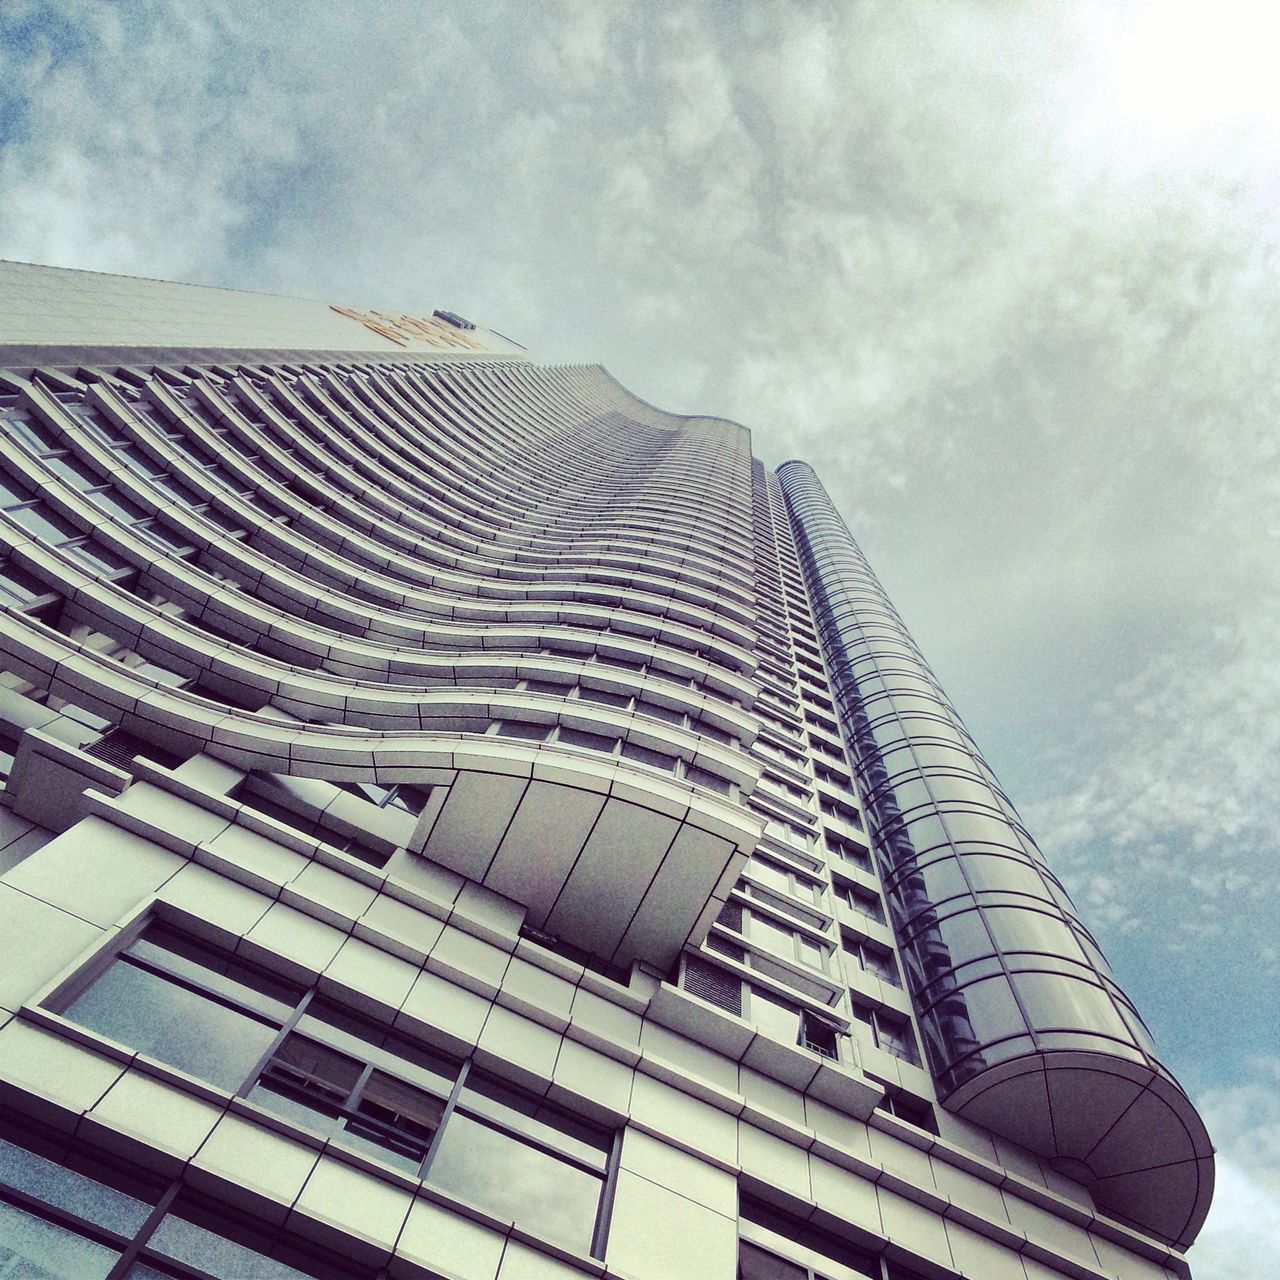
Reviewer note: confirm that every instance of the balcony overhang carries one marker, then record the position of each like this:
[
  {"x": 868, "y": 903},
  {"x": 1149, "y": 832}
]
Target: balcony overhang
[
  {"x": 623, "y": 864},
  {"x": 1124, "y": 1130}
]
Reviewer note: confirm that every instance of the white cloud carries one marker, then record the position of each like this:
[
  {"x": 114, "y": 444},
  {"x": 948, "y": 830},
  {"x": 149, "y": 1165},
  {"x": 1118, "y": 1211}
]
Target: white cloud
[{"x": 1241, "y": 1239}]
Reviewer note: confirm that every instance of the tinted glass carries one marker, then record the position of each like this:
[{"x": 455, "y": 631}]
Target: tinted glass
[
  {"x": 514, "y": 1180},
  {"x": 173, "y": 1024},
  {"x": 536, "y": 1119},
  {"x": 57, "y": 1185},
  {"x": 185, "y": 955},
  {"x": 756, "y": 1264},
  {"x": 184, "y": 1241},
  {"x": 775, "y": 1019},
  {"x": 34, "y": 1249},
  {"x": 44, "y": 524}
]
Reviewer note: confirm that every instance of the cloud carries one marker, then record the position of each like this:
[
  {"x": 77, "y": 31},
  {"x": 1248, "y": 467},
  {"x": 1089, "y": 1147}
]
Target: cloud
[
  {"x": 1178, "y": 800},
  {"x": 1241, "y": 1239}
]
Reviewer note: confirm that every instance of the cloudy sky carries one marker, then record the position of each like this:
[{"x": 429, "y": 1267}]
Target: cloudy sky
[{"x": 1005, "y": 273}]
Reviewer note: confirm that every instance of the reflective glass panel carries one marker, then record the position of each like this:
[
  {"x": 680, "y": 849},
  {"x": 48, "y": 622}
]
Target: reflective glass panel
[
  {"x": 991, "y": 1009},
  {"x": 57, "y": 1185},
  {"x": 34, "y": 1249},
  {"x": 174, "y": 1024},
  {"x": 1020, "y": 929},
  {"x": 1011, "y": 875},
  {"x": 184, "y": 1241},
  {"x": 775, "y": 1019},
  {"x": 1053, "y": 1000},
  {"x": 529, "y": 1115},
  {"x": 498, "y": 1172},
  {"x": 757, "y": 1264},
  {"x": 775, "y": 937}
]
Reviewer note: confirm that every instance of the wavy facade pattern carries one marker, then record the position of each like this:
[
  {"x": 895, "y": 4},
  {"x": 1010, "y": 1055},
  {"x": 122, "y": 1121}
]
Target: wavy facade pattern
[{"x": 461, "y": 820}]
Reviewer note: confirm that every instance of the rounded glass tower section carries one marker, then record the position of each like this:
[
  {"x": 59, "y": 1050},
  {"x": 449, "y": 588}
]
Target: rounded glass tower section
[{"x": 1025, "y": 1028}]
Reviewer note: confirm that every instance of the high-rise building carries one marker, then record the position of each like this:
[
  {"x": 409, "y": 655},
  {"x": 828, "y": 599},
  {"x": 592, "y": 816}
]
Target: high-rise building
[{"x": 462, "y": 821}]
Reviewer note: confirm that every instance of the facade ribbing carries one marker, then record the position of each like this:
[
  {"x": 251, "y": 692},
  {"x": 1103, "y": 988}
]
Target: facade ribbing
[{"x": 462, "y": 821}]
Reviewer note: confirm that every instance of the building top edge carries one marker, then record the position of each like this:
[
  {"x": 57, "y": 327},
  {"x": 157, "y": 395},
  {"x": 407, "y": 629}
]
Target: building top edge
[{"x": 44, "y": 306}]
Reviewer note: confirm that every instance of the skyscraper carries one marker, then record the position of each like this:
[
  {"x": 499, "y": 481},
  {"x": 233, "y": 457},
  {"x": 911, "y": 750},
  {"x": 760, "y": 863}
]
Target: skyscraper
[{"x": 463, "y": 821}]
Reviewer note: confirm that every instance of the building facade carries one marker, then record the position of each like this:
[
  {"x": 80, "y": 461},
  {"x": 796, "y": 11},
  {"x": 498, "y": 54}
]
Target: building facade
[{"x": 462, "y": 821}]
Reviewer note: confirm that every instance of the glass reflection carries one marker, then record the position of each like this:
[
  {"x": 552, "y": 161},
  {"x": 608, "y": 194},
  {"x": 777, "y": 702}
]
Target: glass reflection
[
  {"x": 1054, "y": 1001},
  {"x": 57, "y": 1185},
  {"x": 519, "y": 1182},
  {"x": 185, "y": 1241},
  {"x": 35, "y": 1249},
  {"x": 173, "y": 1023}
]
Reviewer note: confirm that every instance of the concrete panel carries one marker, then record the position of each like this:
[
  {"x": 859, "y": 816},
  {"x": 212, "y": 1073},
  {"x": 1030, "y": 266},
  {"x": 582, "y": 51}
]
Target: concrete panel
[
  {"x": 693, "y": 1243},
  {"x": 542, "y": 844},
  {"x": 473, "y": 821},
  {"x": 675, "y": 899},
  {"x": 611, "y": 878}
]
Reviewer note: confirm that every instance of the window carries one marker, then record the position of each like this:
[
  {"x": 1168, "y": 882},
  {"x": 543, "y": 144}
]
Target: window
[
  {"x": 41, "y": 521},
  {"x": 841, "y": 812},
  {"x": 356, "y": 1081},
  {"x": 872, "y": 958},
  {"x": 780, "y": 1020},
  {"x": 70, "y": 1212},
  {"x": 605, "y": 744},
  {"x": 785, "y": 941},
  {"x": 18, "y": 587},
  {"x": 522, "y": 1158},
  {"x": 847, "y": 851},
  {"x": 775, "y": 1246},
  {"x": 188, "y": 1005},
  {"x": 890, "y": 1033},
  {"x": 784, "y": 880},
  {"x": 249, "y": 795},
  {"x": 403, "y": 795},
  {"x": 911, "y": 1110},
  {"x": 863, "y": 901}
]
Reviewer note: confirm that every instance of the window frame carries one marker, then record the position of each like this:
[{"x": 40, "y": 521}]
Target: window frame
[
  {"x": 884, "y": 1027},
  {"x": 379, "y": 1059},
  {"x": 158, "y": 1197}
]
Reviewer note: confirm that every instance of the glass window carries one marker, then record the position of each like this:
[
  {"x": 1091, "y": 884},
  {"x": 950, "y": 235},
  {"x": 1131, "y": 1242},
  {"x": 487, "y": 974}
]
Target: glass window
[
  {"x": 35, "y": 1249},
  {"x": 757, "y": 1264},
  {"x": 97, "y": 557},
  {"x": 581, "y": 738},
  {"x": 603, "y": 697},
  {"x": 889, "y": 1033},
  {"x": 55, "y": 1184},
  {"x": 776, "y": 937},
  {"x": 116, "y": 505},
  {"x": 523, "y": 1159},
  {"x": 775, "y": 1018},
  {"x": 78, "y": 474},
  {"x": 188, "y": 1005},
  {"x": 221, "y": 1242},
  {"x": 519, "y": 729},
  {"x": 633, "y": 751},
  {"x": 513, "y": 1179},
  {"x": 350, "y": 1078},
  {"x": 43, "y": 523},
  {"x": 332, "y": 1093},
  {"x": 807, "y": 1246},
  {"x": 173, "y": 1023},
  {"x": 18, "y": 585}
]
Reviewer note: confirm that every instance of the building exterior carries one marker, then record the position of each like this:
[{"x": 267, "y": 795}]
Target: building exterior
[{"x": 462, "y": 821}]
